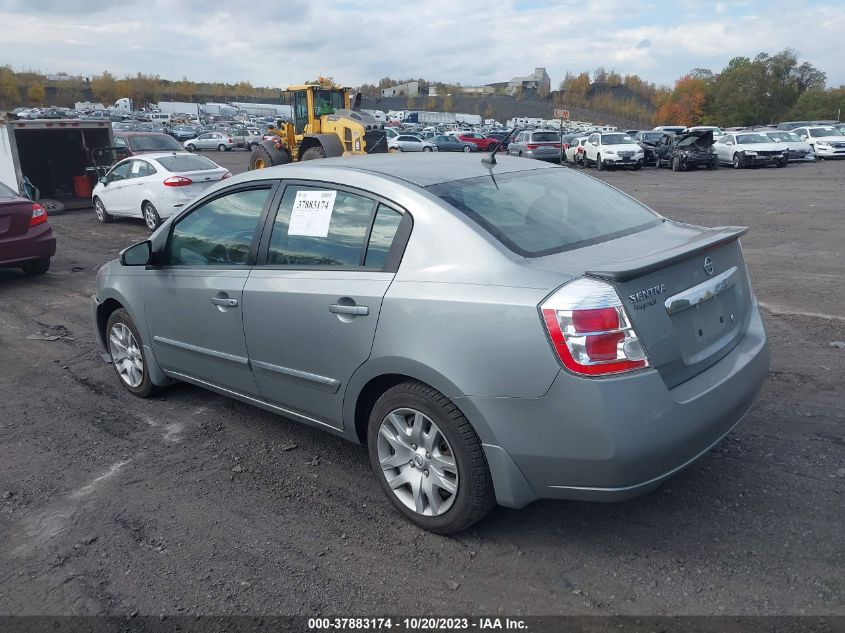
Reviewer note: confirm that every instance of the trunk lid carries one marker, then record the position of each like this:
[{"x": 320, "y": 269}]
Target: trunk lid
[
  {"x": 15, "y": 215},
  {"x": 202, "y": 180},
  {"x": 684, "y": 288}
]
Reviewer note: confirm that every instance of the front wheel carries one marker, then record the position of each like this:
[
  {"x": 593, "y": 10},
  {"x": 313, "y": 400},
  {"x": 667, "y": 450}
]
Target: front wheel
[
  {"x": 783, "y": 162},
  {"x": 599, "y": 163},
  {"x": 191, "y": 147},
  {"x": 127, "y": 354},
  {"x": 737, "y": 161},
  {"x": 100, "y": 210},
  {"x": 676, "y": 164},
  {"x": 428, "y": 459}
]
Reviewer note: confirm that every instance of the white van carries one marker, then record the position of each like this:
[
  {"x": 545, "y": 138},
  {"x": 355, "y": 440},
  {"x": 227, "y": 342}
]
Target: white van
[{"x": 160, "y": 117}]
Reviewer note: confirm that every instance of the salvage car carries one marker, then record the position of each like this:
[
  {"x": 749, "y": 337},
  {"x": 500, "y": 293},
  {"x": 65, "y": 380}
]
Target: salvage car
[
  {"x": 649, "y": 140},
  {"x": 154, "y": 186},
  {"x": 750, "y": 149},
  {"x": 613, "y": 149},
  {"x": 26, "y": 237},
  {"x": 685, "y": 150},
  {"x": 351, "y": 294}
]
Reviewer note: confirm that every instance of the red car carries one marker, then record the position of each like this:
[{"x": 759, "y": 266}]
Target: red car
[
  {"x": 484, "y": 143},
  {"x": 26, "y": 238}
]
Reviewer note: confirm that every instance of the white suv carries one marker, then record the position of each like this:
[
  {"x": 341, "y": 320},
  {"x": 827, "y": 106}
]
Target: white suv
[
  {"x": 614, "y": 149},
  {"x": 827, "y": 141}
]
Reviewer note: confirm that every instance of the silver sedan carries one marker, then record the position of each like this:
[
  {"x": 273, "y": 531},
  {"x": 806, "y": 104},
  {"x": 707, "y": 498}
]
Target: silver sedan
[
  {"x": 221, "y": 141},
  {"x": 493, "y": 332},
  {"x": 410, "y": 143}
]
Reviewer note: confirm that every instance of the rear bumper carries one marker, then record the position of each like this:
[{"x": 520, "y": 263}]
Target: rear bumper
[
  {"x": 615, "y": 438},
  {"x": 37, "y": 243},
  {"x": 551, "y": 156}
]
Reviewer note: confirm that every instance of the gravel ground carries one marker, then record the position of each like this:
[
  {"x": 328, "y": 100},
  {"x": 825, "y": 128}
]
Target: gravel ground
[{"x": 192, "y": 503}]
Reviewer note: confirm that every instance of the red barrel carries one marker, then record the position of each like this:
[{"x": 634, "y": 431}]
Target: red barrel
[{"x": 82, "y": 187}]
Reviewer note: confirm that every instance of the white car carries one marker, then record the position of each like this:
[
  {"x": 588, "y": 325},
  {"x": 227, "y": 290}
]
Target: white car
[
  {"x": 747, "y": 149},
  {"x": 798, "y": 150},
  {"x": 575, "y": 152},
  {"x": 613, "y": 149},
  {"x": 717, "y": 131},
  {"x": 827, "y": 141},
  {"x": 154, "y": 186},
  {"x": 221, "y": 141}
]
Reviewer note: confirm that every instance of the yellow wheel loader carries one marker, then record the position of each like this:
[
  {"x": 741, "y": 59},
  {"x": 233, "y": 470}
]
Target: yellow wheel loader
[{"x": 324, "y": 125}]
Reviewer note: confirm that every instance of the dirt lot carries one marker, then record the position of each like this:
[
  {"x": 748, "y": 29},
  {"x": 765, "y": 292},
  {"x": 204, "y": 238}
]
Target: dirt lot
[{"x": 189, "y": 503}]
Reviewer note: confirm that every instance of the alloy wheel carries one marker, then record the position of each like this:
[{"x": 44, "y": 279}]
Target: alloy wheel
[
  {"x": 100, "y": 211},
  {"x": 417, "y": 462},
  {"x": 126, "y": 355}
]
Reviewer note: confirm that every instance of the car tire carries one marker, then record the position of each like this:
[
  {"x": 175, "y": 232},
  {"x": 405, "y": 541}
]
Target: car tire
[
  {"x": 260, "y": 158},
  {"x": 599, "y": 163},
  {"x": 676, "y": 164},
  {"x": 36, "y": 267},
  {"x": 492, "y": 147},
  {"x": 455, "y": 445},
  {"x": 100, "y": 211},
  {"x": 737, "y": 161},
  {"x": 783, "y": 163},
  {"x": 638, "y": 166},
  {"x": 713, "y": 164},
  {"x": 426, "y": 149},
  {"x": 52, "y": 207},
  {"x": 222, "y": 148},
  {"x": 151, "y": 216},
  {"x": 313, "y": 153},
  {"x": 191, "y": 147},
  {"x": 467, "y": 149},
  {"x": 127, "y": 355}
]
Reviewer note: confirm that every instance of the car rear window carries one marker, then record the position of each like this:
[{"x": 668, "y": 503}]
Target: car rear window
[
  {"x": 186, "y": 162},
  {"x": 545, "y": 137},
  {"x": 153, "y": 143},
  {"x": 545, "y": 211}
]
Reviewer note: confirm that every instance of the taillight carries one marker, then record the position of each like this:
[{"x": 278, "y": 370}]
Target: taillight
[
  {"x": 533, "y": 146},
  {"x": 228, "y": 174},
  {"x": 580, "y": 150},
  {"x": 39, "y": 215},
  {"x": 556, "y": 145},
  {"x": 178, "y": 181},
  {"x": 590, "y": 330},
  {"x": 566, "y": 146},
  {"x": 231, "y": 141}
]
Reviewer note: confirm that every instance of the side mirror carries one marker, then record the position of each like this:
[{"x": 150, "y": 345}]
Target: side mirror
[
  {"x": 138, "y": 255},
  {"x": 104, "y": 180}
]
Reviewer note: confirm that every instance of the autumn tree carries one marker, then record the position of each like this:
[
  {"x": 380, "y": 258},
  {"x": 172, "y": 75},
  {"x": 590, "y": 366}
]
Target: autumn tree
[
  {"x": 448, "y": 103},
  {"x": 104, "y": 88},
  {"x": 36, "y": 93},
  {"x": 10, "y": 95},
  {"x": 685, "y": 106}
]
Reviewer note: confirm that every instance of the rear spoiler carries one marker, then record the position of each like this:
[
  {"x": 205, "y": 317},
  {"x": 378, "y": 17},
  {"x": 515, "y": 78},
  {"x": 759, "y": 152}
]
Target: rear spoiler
[{"x": 632, "y": 268}]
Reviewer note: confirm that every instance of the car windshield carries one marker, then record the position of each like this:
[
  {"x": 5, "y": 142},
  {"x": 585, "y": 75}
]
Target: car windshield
[
  {"x": 750, "y": 139},
  {"x": 545, "y": 137},
  {"x": 153, "y": 143},
  {"x": 784, "y": 137},
  {"x": 616, "y": 139},
  {"x": 545, "y": 211},
  {"x": 652, "y": 136},
  {"x": 824, "y": 131},
  {"x": 186, "y": 162}
]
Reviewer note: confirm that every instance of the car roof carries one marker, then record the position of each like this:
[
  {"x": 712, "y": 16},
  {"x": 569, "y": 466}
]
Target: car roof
[
  {"x": 157, "y": 155},
  {"x": 421, "y": 169}
]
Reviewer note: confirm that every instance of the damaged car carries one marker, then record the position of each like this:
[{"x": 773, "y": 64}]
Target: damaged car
[
  {"x": 687, "y": 150},
  {"x": 750, "y": 149}
]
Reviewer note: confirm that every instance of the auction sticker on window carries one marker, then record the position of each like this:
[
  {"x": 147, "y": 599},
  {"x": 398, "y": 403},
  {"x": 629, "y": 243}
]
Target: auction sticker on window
[{"x": 312, "y": 213}]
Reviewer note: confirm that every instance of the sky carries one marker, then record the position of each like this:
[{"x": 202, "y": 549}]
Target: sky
[{"x": 276, "y": 43}]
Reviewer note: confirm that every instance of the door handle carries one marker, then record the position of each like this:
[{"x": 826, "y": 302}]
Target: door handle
[
  {"x": 336, "y": 308},
  {"x": 225, "y": 302}
]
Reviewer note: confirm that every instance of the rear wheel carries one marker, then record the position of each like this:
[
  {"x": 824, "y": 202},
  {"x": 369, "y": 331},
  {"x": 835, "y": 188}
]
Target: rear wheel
[
  {"x": 467, "y": 148},
  {"x": 37, "y": 267},
  {"x": 100, "y": 210},
  {"x": 151, "y": 217},
  {"x": 221, "y": 148},
  {"x": 313, "y": 153},
  {"x": 428, "y": 459},
  {"x": 426, "y": 149},
  {"x": 127, "y": 354}
]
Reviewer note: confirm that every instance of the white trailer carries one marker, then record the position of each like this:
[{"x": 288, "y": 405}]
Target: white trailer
[
  {"x": 179, "y": 107},
  {"x": 54, "y": 156},
  {"x": 468, "y": 119}
]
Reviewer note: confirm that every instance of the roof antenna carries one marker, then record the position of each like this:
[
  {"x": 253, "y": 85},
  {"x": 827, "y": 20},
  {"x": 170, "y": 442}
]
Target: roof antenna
[{"x": 491, "y": 159}]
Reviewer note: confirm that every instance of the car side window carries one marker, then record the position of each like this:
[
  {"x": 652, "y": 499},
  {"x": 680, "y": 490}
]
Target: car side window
[
  {"x": 119, "y": 141},
  {"x": 381, "y": 237},
  {"x": 319, "y": 226},
  {"x": 121, "y": 171},
  {"x": 219, "y": 232}
]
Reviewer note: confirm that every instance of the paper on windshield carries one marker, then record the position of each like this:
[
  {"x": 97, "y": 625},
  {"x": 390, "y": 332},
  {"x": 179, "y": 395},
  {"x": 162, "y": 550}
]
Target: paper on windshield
[{"x": 312, "y": 213}]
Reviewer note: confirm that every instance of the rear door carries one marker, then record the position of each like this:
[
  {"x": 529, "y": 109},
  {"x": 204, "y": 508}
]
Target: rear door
[
  {"x": 194, "y": 302},
  {"x": 312, "y": 304}
]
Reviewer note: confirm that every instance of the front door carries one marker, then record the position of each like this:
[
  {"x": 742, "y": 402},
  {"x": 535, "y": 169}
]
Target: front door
[
  {"x": 312, "y": 305},
  {"x": 194, "y": 302},
  {"x": 113, "y": 195}
]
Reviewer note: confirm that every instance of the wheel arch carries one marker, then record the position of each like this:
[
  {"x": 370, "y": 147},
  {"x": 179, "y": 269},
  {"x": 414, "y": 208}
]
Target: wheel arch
[{"x": 329, "y": 142}]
